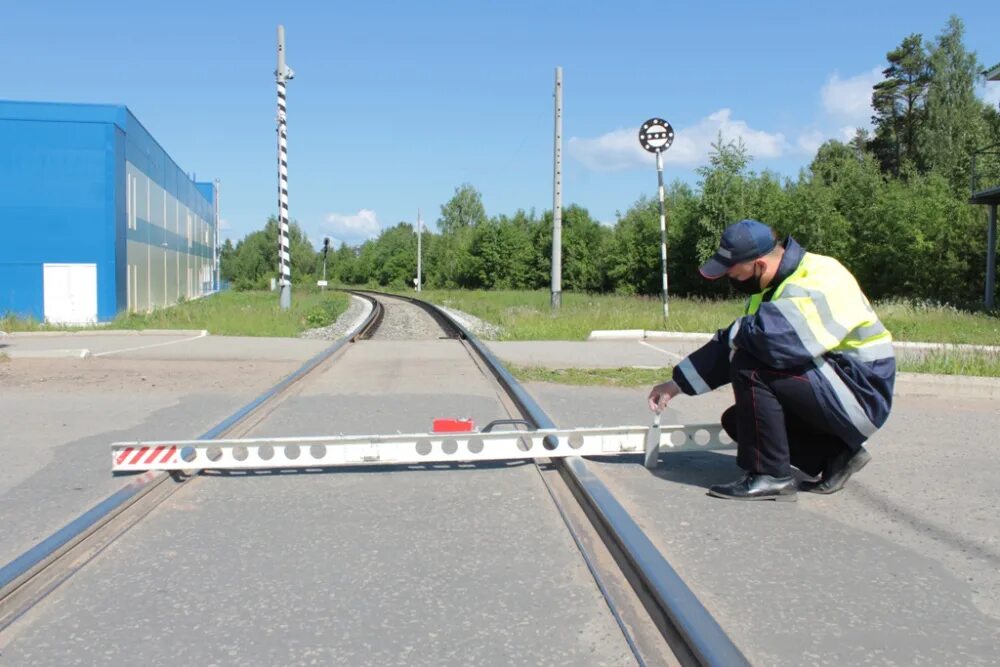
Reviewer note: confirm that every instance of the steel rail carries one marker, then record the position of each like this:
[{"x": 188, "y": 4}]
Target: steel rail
[
  {"x": 31, "y": 576},
  {"x": 698, "y": 629}
]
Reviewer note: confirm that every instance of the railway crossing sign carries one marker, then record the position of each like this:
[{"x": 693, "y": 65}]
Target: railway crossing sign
[{"x": 656, "y": 135}]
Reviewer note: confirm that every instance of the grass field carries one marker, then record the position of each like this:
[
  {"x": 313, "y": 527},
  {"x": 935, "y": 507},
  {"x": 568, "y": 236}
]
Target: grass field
[
  {"x": 225, "y": 314},
  {"x": 526, "y": 315}
]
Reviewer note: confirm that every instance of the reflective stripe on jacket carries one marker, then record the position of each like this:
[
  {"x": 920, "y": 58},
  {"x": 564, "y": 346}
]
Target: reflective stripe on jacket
[{"x": 818, "y": 322}]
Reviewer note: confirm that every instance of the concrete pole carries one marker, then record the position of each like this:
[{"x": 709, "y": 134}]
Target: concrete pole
[
  {"x": 991, "y": 257},
  {"x": 663, "y": 234},
  {"x": 215, "y": 249},
  {"x": 557, "y": 199},
  {"x": 284, "y": 251},
  {"x": 419, "y": 251}
]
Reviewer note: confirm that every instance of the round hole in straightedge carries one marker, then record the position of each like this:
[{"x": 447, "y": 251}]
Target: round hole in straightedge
[
  {"x": 678, "y": 438},
  {"x": 449, "y": 445},
  {"x": 424, "y": 447},
  {"x": 240, "y": 453},
  {"x": 724, "y": 438},
  {"x": 188, "y": 454},
  {"x": 576, "y": 441},
  {"x": 265, "y": 452},
  {"x": 701, "y": 437},
  {"x": 476, "y": 445},
  {"x": 292, "y": 452},
  {"x": 317, "y": 451},
  {"x": 524, "y": 443},
  {"x": 550, "y": 442},
  {"x": 213, "y": 453}
]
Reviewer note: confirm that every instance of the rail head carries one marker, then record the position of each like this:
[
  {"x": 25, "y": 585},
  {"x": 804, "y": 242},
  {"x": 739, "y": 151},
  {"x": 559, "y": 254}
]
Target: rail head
[{"x": 706, "y": 639}]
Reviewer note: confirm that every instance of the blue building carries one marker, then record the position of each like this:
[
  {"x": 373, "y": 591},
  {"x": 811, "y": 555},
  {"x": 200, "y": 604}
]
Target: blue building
[{"x": 97, "y": 218}]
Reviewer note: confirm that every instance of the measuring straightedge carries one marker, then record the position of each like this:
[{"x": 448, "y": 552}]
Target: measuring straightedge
[{"x": 410, "y": 449}]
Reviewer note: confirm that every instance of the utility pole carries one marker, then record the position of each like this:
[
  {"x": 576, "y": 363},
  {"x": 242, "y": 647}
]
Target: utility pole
[
  {"x": 283, "y": 74},
  {"x": 419, "y": 251},
  {"x": 557, "y": 199}
]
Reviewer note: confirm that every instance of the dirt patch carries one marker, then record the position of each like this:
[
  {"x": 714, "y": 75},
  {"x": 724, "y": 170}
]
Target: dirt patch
[{"x": 82, "y": 375}]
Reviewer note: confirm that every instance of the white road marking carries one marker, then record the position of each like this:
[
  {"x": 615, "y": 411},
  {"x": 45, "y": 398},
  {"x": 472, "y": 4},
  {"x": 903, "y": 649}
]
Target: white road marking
[
  {"x": 146, "y": 347},
  {"x": 653, "y": 347}
]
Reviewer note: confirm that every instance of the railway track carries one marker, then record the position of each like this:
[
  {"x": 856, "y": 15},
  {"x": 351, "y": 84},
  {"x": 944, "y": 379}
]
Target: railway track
[{"x": 660, "y": 618}]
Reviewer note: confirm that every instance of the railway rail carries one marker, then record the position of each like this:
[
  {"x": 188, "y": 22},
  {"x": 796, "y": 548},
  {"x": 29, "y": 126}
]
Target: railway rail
[{"x": 659, "y": 616}]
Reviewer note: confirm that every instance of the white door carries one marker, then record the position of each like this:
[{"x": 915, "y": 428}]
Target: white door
[{"x": 70, "y": 293}]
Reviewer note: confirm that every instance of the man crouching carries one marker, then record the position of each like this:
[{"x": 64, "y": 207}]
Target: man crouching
[{"x": 811, "y": 365}]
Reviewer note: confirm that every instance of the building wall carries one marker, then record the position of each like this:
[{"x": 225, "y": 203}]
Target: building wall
[
  {"x": 170, "y": 228},
  {"x": 57, "y": 202},
  {"x": 89, "y": 184}
]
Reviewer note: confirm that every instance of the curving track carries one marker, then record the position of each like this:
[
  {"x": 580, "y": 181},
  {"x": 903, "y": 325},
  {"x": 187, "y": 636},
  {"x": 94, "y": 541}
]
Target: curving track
[{"x": 512, "y": 563}]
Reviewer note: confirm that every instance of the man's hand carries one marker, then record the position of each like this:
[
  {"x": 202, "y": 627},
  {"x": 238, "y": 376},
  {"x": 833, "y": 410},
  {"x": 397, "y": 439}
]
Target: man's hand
[{"x": 661, "y": 394}]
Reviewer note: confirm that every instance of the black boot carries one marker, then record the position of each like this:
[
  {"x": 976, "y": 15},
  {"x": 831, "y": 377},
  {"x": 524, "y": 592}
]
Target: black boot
[
  {"x": 839, "y": 470},
  {"x": 755, "y": 486}
]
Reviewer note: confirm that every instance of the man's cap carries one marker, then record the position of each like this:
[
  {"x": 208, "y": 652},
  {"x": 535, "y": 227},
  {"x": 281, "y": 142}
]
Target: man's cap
[{"x": 741, "y": 242}]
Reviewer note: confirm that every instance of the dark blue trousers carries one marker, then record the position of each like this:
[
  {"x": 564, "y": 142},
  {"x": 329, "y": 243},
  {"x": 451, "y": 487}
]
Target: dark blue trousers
[{"x": 777, "y": 421}]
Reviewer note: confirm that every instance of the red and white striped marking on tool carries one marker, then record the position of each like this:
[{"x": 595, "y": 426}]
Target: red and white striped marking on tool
[{"x": 146, "y": 457}]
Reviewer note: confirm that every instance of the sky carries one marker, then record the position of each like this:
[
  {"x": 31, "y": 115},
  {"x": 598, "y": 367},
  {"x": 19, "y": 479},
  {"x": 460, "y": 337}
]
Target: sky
[{"x": 396, "y": 104}]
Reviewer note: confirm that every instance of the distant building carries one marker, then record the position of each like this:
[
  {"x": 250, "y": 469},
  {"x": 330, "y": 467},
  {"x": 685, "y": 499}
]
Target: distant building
[{"x": 97, "y": 218}]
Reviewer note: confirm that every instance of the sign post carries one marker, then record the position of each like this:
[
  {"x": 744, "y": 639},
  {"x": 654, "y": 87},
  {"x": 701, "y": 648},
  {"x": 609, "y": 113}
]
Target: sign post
[{"x": 656, "y": 136}]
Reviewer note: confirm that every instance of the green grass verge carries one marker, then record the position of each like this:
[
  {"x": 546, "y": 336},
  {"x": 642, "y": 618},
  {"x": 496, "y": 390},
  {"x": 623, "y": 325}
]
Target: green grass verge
[
  {"x": 954, "y": 362},
  {"x": 943, "y": 362},
  {"x": 225, "y": 314},
  {"x": 606, "y": 377},
  {"x": 526, "y": 315}
]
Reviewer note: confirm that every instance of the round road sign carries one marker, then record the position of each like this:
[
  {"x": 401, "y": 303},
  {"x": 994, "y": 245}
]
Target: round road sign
[{"x": 656, "y": 135}]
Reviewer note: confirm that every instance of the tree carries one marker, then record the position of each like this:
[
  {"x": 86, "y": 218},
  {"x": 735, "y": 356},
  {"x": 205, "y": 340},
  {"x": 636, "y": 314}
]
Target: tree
[
  {"x": 898, "y": 101},
  {"x": 254, "y": 260},
  {"x": 955, "y": 125},
  {"x": 465, "y": 209}
]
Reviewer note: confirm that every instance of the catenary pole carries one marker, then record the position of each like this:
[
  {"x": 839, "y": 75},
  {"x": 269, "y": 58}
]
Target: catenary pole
[
  {"x": 557, "y": 198},
  {"x": 283, "y": 73}
]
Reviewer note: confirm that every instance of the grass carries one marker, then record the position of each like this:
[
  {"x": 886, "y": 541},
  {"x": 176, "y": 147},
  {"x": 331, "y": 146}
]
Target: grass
[
  {"x": 606, "y": 377},
  {"x": 224, "y": 314},
  {"x": 939, "y": 362},
  {"x": 526, "y": 315},
  {"x": 955, "y": 362}
]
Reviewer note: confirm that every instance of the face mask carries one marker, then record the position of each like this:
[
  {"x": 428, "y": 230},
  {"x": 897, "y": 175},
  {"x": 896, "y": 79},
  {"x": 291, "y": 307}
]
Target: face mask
[{"x": 749, "y": 285}]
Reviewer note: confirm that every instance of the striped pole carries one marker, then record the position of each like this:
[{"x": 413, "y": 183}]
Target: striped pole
[
  {"x": 663, "y": 234},
  {"x": 284, "y": 252}
]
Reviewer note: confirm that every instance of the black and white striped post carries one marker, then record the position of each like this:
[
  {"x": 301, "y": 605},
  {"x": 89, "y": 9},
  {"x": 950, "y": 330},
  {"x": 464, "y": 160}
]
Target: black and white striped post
[
  {"x": 656, "y": 136},
  {"x": 283, "y": 74}
]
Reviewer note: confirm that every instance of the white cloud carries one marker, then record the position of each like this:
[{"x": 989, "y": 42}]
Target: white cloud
[
  {"x": 224, "y": 225},
  {"x": 850, "y": 99},
  {"x": 354, "y": 228},
  {"x": 620, "y": 148},
  {"x": 809, "y": 142}
]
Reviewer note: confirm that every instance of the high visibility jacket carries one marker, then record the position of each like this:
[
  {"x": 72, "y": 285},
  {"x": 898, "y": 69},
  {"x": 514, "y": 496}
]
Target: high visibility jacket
[{"x": 815, "y": 321}]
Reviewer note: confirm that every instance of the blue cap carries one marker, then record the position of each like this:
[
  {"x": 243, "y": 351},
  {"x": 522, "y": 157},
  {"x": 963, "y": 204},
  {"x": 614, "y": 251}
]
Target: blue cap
[{"x": 741, "y": 242}]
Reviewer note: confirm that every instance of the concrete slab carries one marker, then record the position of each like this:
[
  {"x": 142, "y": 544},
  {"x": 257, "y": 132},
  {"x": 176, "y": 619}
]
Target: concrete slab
[
  {"x": 166, "y": 346},
  {"x": 902, "y": 567},
  {"x": 57, "y": 417},
  {"x": 446, "y": 565}
]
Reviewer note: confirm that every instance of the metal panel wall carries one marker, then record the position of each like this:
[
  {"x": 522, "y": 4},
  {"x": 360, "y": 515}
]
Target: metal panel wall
[
  {"x": 171, "y": 227},
  {"x": 57, "y": 199},
  {"x": 84, "y": 183}
]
